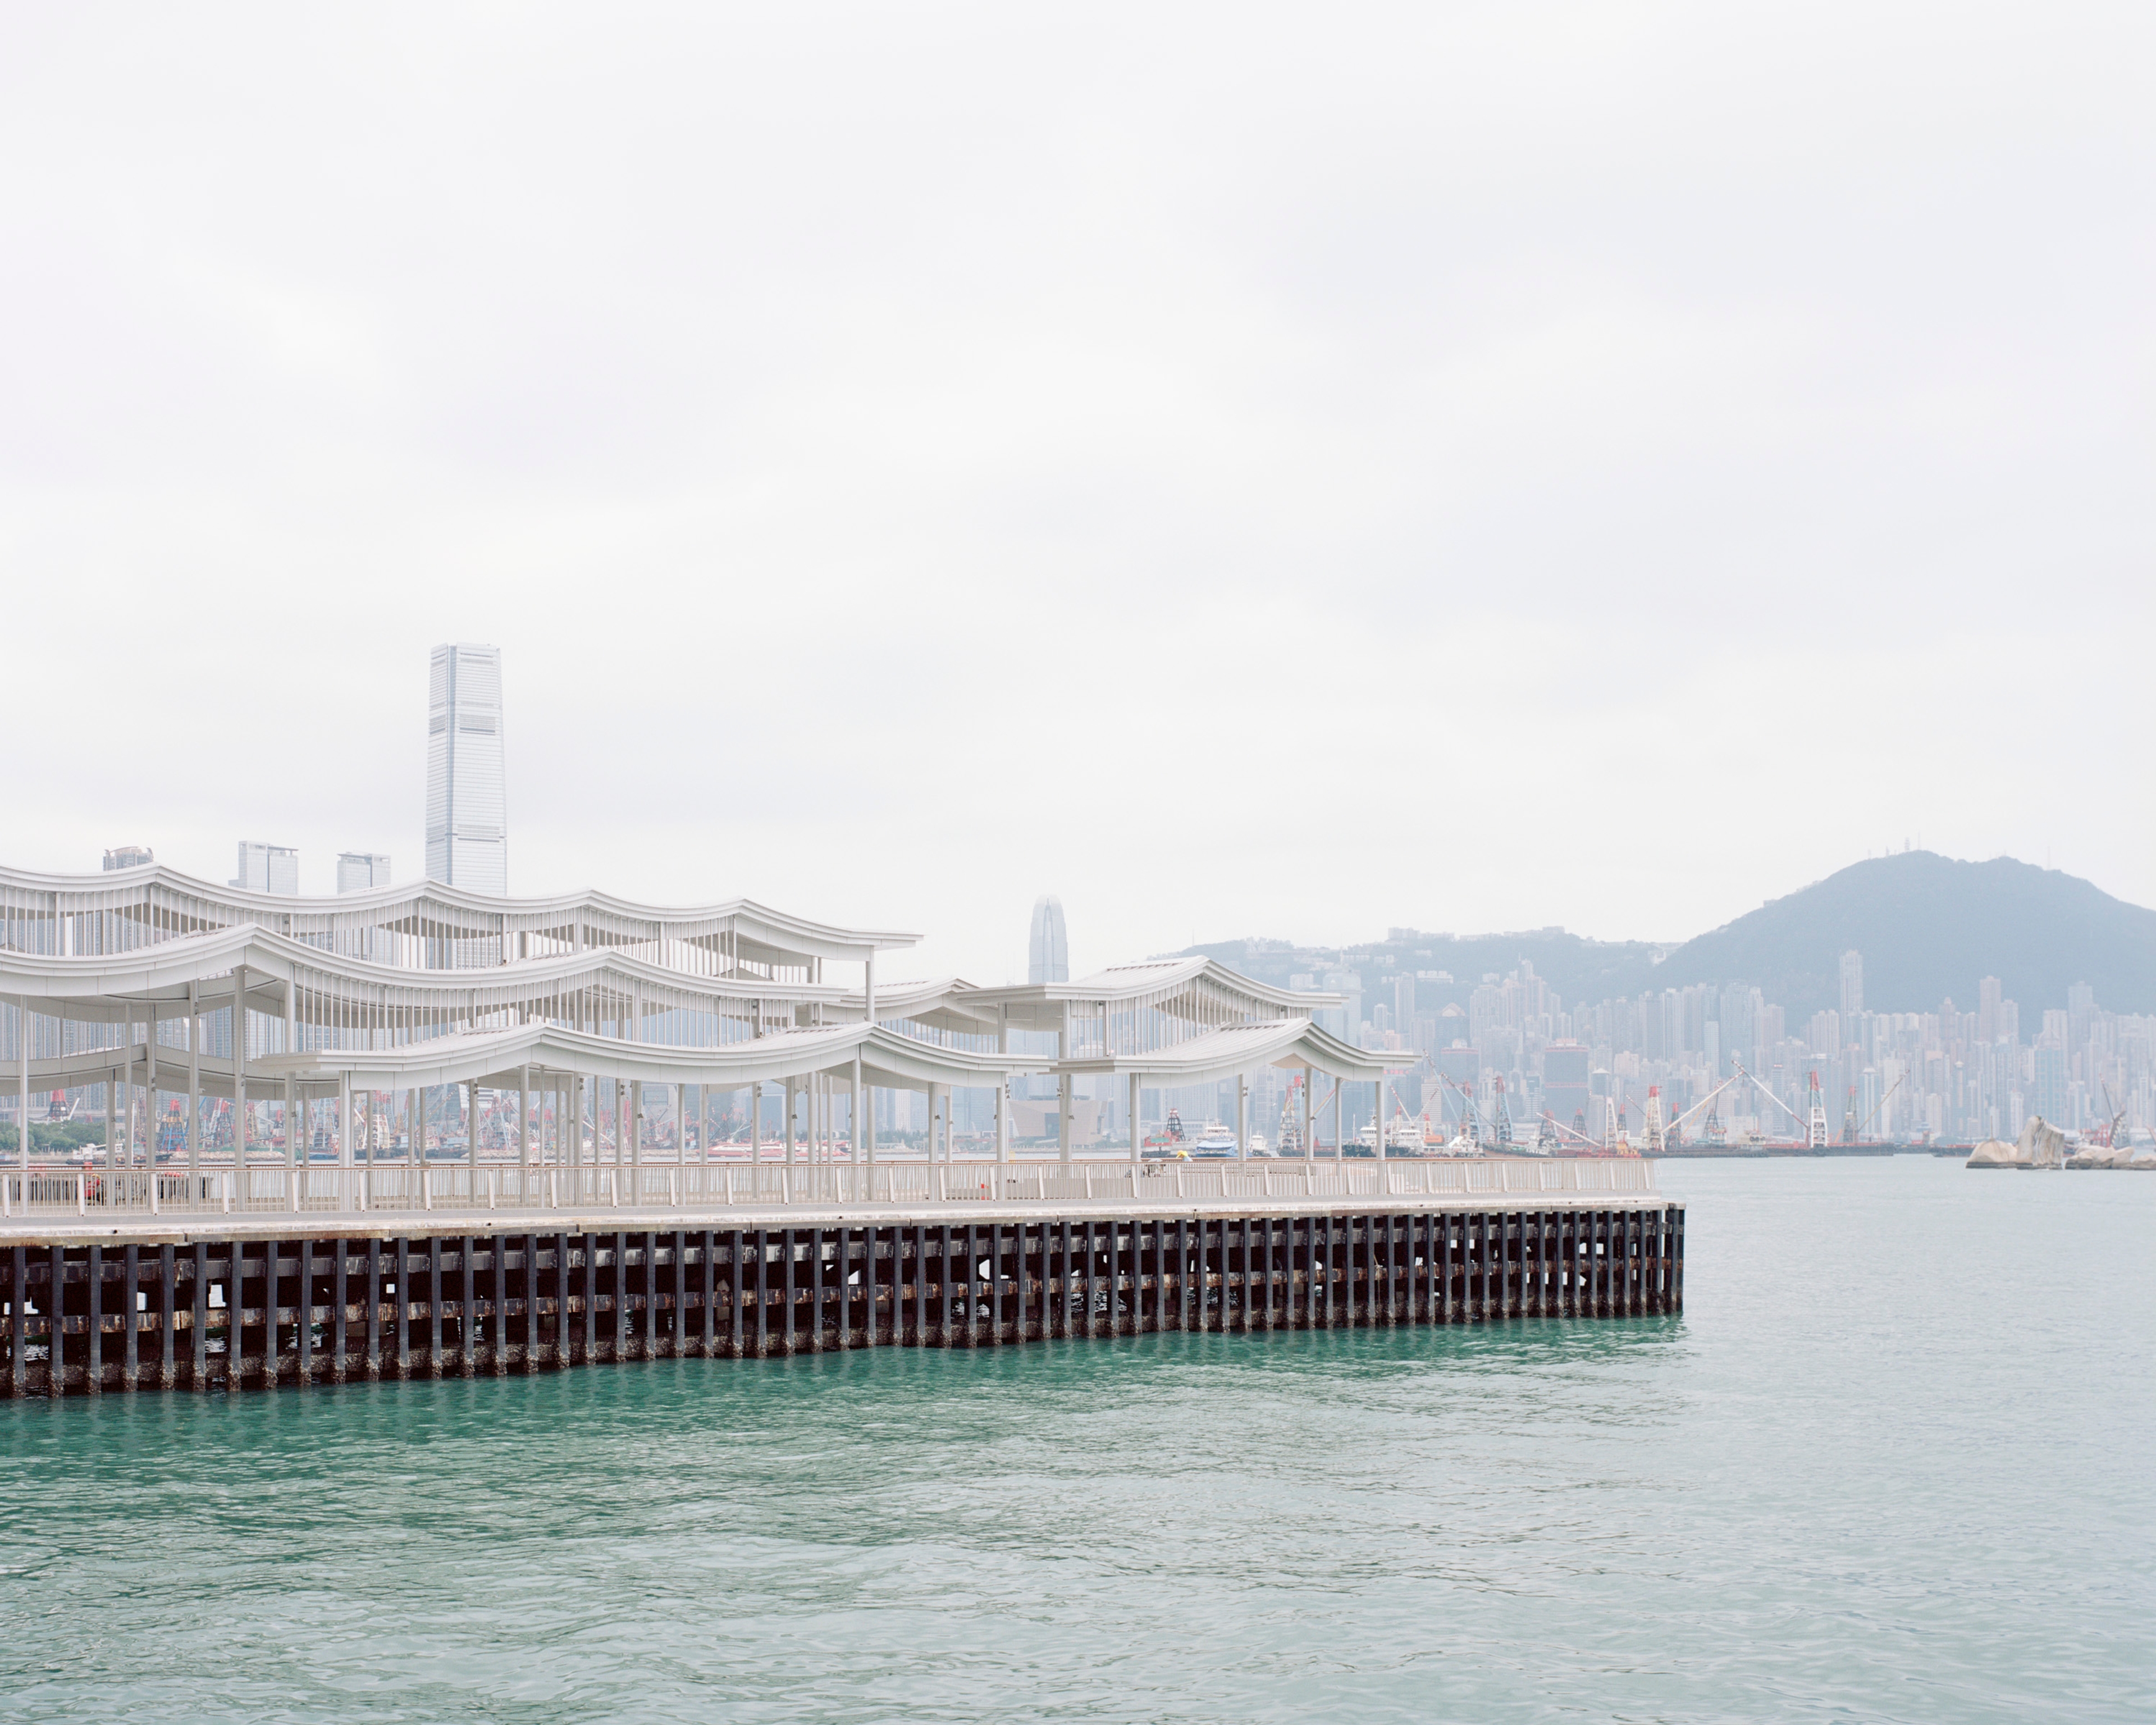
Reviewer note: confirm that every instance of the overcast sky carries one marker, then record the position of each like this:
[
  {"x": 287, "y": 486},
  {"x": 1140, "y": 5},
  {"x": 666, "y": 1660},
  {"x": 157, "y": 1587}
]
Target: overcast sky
[{"x": 1245, "y": 470}]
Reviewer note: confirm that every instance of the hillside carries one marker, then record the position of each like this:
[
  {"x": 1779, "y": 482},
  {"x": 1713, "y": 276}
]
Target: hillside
[
  {"x": 1578, "y": 968},
  {"x": 1929, "y": 927}
]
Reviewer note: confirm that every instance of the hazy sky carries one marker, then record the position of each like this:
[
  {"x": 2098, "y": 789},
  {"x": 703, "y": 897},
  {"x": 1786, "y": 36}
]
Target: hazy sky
[{"x": 1243, "y": 469}]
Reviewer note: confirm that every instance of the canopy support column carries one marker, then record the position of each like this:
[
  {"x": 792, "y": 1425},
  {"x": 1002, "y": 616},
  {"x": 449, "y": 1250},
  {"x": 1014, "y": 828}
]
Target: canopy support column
[
  {"x": 194, "y": 1078},
  {"x": 863, "y": 1161},
  {"x": 1137, "y": 1136},
  {"x": 23, "y": 1090},
  {"x": 239, "y": 1080}
]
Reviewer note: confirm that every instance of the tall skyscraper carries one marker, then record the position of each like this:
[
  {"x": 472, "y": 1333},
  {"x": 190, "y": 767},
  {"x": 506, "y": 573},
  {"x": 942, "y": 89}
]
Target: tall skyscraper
[
  {"x": 467, "y": 796},
  {"x": 359, "y": 870},
  {"x": 1852, "y": 988},
  {"x": 268, "y": 868},
  {"x": 1048, "y": 955},
  {"x": 1988, "y": 997}
]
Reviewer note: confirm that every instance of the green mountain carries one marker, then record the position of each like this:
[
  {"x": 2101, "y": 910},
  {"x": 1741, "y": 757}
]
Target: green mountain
[{"x": 1929, "y": 927}]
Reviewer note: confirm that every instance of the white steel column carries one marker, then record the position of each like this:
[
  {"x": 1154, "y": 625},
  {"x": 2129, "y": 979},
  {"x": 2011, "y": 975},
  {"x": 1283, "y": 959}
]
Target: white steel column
[
  {"x": 293, "y": 1154},
  {"x": 1242, "y": 1116},
  {"x": 23, "y": 1090},
  {"x": 470, "y": 1092},
  {"x": 1063, "y": 1116},
  {"x": 864, "y": 1183},
  {"x": 1003, "y": 1119},
  {"x": 344, "y": 1119},
  {"x": 1378, "y": 1102},
  {"x": 194, "y": 1078},
  {"x": 524, "y": 1120},
  {"x": 1309, "y": 1149},
  {"x": 240, "y": 1067},
  {"x": 681, "y": 1124}
]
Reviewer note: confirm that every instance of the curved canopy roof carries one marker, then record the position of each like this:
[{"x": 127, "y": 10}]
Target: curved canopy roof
[
  {"x": 1237, "y": 1048},
  {"x": 388, "y": 907}
]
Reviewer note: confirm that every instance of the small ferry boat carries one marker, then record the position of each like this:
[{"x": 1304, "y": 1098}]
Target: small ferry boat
[{"x": 1216, "y": 1140}]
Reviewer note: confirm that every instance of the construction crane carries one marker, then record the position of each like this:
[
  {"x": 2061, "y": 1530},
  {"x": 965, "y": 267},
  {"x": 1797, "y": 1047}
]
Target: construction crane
[
  {"x": 1816, "y": 1127},
  {"x": 1552, "y": 1130},
  {"x": 1877, "y": 1105},
  {"x": 2111, "y": 1133},
  {"x": 1676, "y": 1125},
  {"x": 1802, "y": 1124},
  {"x": 1288, "y": 1140},
  {"x": 1470, "y": 1116}
]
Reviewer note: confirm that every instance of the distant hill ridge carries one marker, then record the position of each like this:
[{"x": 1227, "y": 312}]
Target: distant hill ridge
[{"x": 1930, "y": 928}]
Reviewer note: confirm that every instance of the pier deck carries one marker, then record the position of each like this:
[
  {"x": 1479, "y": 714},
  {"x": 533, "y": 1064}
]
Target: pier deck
[{"x": 146, "y": 1302}]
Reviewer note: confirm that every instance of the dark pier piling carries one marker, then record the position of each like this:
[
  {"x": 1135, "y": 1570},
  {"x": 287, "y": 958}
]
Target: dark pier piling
[{"x": 138, "y": 1310}]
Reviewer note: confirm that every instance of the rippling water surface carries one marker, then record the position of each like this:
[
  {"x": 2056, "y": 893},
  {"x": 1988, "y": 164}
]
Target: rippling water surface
[{"x": 1892, "y": 1464}]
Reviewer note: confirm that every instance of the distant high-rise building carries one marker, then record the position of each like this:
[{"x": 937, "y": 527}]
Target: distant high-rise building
[
  {"x": 128, "y": 856},
  {"x": 359, "y": 870},
  {"x": 1048, "y": 953},
  {"x": 1852, "y": 986},
  {"x": 268, "y": 868},
  {"x": 467, "y": 793},
  {"x": 1988, "y": 996},
  {"x": 2049, "y": 1086},
  {"x": 2081, "y": 1011}
]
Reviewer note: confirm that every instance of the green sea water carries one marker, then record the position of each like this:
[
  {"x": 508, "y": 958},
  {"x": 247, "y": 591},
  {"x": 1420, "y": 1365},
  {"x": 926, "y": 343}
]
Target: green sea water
[{"x": 1893, "y": 1463}]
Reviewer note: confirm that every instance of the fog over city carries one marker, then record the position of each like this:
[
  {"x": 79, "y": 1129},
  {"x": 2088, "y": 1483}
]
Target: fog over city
[{"x": 1246, "y": 471}]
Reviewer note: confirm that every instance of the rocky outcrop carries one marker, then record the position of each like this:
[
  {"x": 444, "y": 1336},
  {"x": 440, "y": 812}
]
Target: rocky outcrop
[
  {"x": 2043, "y": 1145},
  {"x": 1997, "y": 1153}
]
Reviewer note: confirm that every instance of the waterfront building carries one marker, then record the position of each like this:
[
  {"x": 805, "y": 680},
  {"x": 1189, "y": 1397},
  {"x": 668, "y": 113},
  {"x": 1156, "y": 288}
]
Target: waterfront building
[
  {"x": 128, "y": 856},
  {"x": 467, "y": 789},
  {"x": 268, "y": 868},
  {"x": 358, "y": 870}
]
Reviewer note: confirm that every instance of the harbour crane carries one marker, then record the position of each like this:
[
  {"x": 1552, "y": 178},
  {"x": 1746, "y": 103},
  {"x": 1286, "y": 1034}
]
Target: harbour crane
[
  {"x": 1803, "y": 1124},
  {"x": 2110, "y": 1127},
  {"x": 1877, "y": 1105}
]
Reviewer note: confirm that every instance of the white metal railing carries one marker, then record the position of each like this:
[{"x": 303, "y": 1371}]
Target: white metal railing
[{"x": 326, "y": 1188}]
